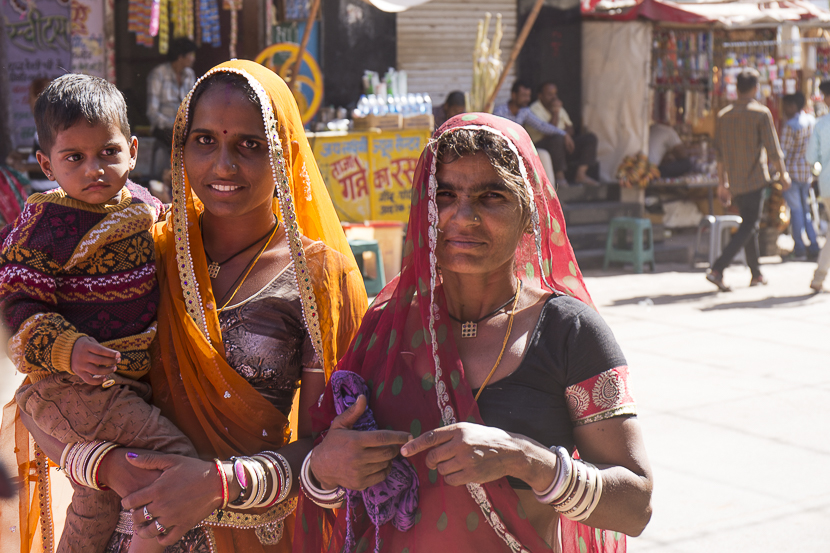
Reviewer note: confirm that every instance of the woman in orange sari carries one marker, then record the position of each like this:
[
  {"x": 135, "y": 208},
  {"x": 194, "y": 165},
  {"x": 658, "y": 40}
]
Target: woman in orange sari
[{"x": 260, "y": 296}]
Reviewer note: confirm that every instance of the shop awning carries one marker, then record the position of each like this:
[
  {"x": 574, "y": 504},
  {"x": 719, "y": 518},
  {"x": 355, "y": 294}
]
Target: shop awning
[
  {"x": 395, "y": 6},
  {"x": 723, "y": 14}
]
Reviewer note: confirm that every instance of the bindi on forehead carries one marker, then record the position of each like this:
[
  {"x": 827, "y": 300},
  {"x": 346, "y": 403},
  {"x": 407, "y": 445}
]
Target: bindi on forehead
[{"x": 224, "y": 132}]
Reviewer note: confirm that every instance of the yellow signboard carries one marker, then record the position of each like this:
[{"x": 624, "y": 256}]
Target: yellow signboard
[
  {"x": 369, "y": 174},
  {"x": 344, "y": 162},
  {"x": 394, "y": 156}
]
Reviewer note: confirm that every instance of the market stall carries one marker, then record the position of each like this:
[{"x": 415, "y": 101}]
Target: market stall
[{"x": 694, "y": 52}]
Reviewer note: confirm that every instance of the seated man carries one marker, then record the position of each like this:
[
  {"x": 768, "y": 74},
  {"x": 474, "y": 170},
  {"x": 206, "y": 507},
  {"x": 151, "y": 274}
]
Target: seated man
[
  {"x": 566, "y": 150},
  {"x": 517, "y": 111},
  {"x": 455, "y": 104},
  {"x": 667, "y": 151},
  {"x": 167, "y": 86}
]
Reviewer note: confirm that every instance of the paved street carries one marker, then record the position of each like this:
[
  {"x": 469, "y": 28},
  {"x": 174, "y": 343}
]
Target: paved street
[{"x": 734, "y": 396}]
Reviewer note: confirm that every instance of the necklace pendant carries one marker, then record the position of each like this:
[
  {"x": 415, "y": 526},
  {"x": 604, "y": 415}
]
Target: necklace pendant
[
  {"x": 213, "y": 269},
  {"x": 469, "y": 329}
]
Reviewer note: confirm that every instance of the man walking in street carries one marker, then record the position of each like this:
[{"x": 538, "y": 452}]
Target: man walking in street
[
  {"x": 818, "y": 151},
  {"x": 795, "y": 133},
  {"x": 745, "y": 139}
]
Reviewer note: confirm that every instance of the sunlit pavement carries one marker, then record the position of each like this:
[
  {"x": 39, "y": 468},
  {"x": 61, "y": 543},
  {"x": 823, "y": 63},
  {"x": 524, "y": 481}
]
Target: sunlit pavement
[
  {"x": 733, "y": 392},
  {"x": 734, "y": 398}
]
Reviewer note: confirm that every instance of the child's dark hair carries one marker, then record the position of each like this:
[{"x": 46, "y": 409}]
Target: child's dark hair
[
  {"x": 230, "y": 80},
  {"x": 73, "y": 97}
]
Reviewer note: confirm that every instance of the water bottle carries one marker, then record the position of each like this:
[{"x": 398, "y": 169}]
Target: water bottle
[
  {"x": 419, "y": 103},
  {"x": 362, "y": 109},
  {"x": 427, "y": 104}
]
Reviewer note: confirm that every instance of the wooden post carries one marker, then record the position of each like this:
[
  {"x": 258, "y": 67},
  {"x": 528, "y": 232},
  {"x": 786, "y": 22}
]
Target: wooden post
[
  {"x": 312, "y": 17},
  {"x": 517, "y": 47}
]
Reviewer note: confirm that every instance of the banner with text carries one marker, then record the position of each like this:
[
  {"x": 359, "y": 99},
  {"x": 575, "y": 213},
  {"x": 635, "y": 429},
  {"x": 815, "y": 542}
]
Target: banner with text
[
  {"x": 38, "y": 44},
  {"x": 369, "y": 174}
]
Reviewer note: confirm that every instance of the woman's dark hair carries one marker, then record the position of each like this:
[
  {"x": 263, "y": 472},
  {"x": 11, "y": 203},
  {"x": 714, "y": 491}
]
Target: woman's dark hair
[
  {"x": 230, "y": 81},
  {"x": 465, "y": 142},
  {"x": 72, "y": 97}
]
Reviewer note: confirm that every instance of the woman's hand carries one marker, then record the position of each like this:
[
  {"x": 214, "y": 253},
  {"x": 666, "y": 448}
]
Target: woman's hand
[
  {"x": 187, "y": 491},
  {"x": 466, "y": 452},
  {"x": 353, "y": 459}
]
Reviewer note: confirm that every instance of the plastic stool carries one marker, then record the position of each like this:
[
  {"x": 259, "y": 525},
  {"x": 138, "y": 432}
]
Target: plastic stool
[
  {"x": 369, "y": 261},
  {"x": 639, "y": 253},
  {"x": 718, "y": 225}
]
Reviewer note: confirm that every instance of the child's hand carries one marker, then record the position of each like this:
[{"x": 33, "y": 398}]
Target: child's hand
[{"x": 93, "y": 362}]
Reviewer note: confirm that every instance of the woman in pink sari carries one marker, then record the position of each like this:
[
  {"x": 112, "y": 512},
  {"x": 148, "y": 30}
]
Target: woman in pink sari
[{"x": 485, "y": 369}]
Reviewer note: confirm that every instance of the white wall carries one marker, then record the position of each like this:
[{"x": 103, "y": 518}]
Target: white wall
[
  {"x": 436, "y": 41},
  {"x": 616, "y": 59}
]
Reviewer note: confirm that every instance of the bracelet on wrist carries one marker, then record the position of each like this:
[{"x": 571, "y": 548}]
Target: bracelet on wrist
[{"x": 327, "y": 499}]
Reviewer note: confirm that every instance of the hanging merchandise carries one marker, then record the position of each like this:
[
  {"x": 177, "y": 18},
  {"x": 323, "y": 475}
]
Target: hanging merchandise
[
  {"x": 234, "y": 6},
  {"x": 138, "y": 21},
  {"x": 681, "y": 75},
  {"x": 164, "y": 26},
  {"x": 209, "y": 22},
  {"x": 154, "y": 18}
]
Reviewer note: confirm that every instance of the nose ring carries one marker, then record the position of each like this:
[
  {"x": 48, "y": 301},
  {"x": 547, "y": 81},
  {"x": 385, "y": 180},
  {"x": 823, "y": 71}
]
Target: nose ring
[{"x": 476, "y": 218}]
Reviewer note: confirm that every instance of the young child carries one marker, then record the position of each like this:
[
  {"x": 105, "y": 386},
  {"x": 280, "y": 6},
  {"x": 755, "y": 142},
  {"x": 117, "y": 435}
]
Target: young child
[{"x": 78, "y": 292}]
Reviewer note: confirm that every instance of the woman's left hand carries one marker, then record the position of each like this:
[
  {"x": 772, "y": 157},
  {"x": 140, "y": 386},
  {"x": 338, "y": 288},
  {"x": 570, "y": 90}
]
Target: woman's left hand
[
  {"x": 466, "y": 452},
  {"x": 188, "y": 490}
]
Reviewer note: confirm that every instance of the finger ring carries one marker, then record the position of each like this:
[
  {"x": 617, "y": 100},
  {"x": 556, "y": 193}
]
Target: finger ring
[
  {"x": 160, "y": 528},
  {"x": 147, "y": 516}
]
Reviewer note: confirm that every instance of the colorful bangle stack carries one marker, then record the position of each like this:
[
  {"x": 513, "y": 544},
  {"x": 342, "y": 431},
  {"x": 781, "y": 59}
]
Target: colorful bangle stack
[
  {"x": 327, "y": 499},
  {"x": 82, "y": 460},
  {"x": 577, "y": 488},
  {"x": 265, "y": 480}
]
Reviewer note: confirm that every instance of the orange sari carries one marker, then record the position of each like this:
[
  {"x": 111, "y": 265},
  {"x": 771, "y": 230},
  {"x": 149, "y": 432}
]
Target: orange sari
[{"x": 193, "y": 384}]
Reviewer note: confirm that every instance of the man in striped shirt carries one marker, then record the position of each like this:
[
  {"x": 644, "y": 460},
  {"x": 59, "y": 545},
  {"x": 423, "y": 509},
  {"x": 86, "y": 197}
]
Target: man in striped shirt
[
  {"x": 745, "y": 140},
  {"x": 795, "y": 134}
]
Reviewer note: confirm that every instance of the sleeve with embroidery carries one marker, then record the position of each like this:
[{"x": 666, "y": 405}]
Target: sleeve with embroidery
[
  {"x": 42, "y": 340},
  {"x": 598, "y": 387}
]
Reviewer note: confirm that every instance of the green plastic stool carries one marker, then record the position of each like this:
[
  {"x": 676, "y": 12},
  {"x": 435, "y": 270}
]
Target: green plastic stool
[
  {"x": 370, "y": 263},
  {"x": 639, "y": 251}
]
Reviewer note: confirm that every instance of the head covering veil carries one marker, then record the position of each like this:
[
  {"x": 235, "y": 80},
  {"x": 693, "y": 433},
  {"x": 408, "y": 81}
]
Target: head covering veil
[
  {"x": 193, "y": 384},
  {"x": 406, "y": 352}
]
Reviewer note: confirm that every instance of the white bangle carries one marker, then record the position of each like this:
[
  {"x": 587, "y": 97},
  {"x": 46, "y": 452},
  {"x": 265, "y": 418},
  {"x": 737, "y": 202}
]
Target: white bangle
[
  {"x": 269, "y": 463},
  {"x": 66, "y": 449},
  {"x": 328, "y": 499},
  {"x": 594, "y": 502},
  {"x": 563, "y": 477}
]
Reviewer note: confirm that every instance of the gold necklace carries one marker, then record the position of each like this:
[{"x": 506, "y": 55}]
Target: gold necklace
[
  {"x": 250, "y": 267},
  {"x": 214, "y": 266},
  {"x": 504, "y": 344}
]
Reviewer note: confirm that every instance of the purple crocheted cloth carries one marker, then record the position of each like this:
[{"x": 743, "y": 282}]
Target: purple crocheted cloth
[{"x": 395, "y": 499}]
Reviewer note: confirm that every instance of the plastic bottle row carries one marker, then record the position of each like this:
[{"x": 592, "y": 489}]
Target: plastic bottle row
[{"x": 406, "y": 105}]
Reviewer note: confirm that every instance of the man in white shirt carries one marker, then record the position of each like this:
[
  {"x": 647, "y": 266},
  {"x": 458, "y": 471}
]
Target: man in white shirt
[
  {"x": 568, "y": 150},
  {"x": 666, "y": 151},
  {"x": 167, "y": 86}
]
